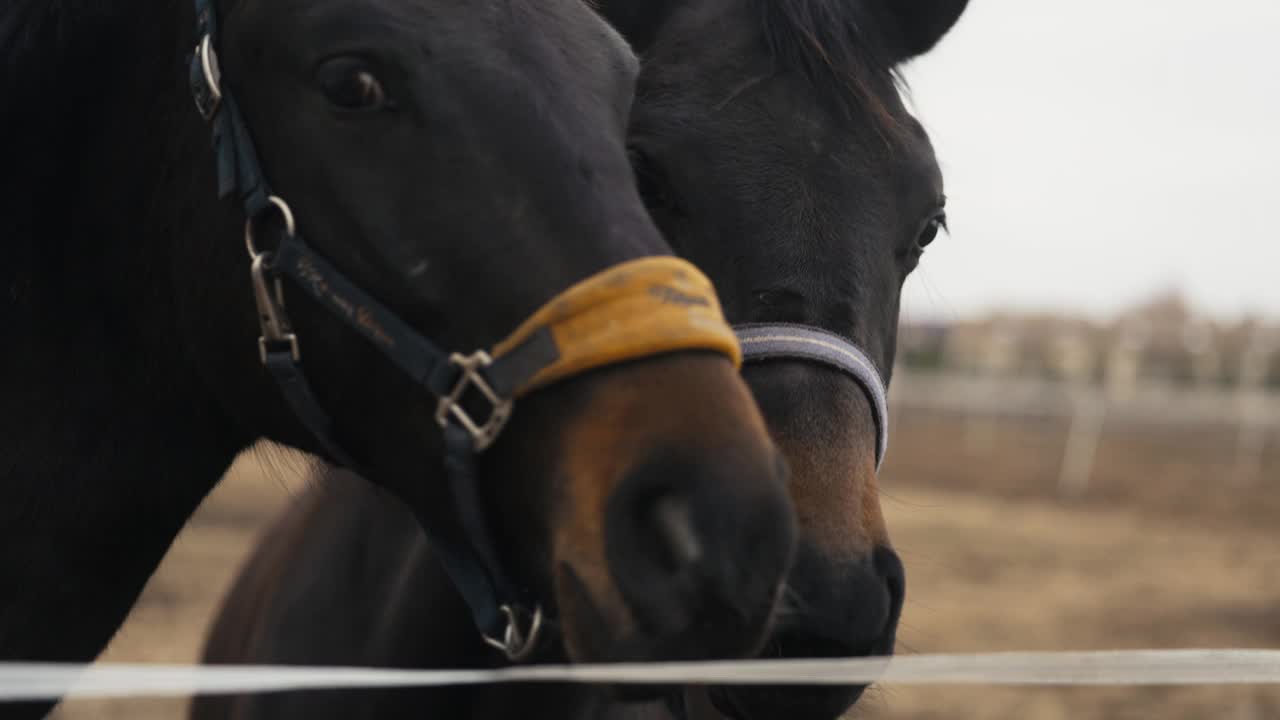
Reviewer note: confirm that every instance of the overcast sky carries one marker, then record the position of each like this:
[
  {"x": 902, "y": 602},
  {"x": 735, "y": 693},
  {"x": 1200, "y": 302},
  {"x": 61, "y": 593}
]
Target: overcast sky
[{"x": 1096, "y": 151}]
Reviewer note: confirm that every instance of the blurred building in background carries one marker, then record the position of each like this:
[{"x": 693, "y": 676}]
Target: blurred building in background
[
  {"x": 1154, "y": 407},
  {"x": 1164, "y": 339}
]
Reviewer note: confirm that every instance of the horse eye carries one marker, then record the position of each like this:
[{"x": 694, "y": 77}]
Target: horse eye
[
  {"x": 349, "y": 84},
  {"x": 930, "y": 231}
]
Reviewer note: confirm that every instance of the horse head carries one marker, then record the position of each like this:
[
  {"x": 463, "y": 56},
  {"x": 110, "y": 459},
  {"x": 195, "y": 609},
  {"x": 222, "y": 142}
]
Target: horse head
[
  {"x": 477, "y": 257},
  {"x": 773, "y": 149}
]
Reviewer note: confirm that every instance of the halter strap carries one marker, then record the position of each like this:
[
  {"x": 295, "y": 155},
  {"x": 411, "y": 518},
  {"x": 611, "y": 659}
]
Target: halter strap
[
  {"x": 632, "y": 310},
  {"x": 237, "y": 159},
  {"x": 762, "y": 342},
  {"x": 637, "y": 308}
]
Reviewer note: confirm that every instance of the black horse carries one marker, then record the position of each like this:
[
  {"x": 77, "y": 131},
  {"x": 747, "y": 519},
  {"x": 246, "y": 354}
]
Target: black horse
[
  {"x": 464, "y": 162},
  {"x": 773, "y": 149}
]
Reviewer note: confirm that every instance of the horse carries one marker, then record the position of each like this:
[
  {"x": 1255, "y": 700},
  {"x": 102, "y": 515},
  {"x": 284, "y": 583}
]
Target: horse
[
  {"x": 773, "y": 149},
  {"x": 441, "y": 173}
]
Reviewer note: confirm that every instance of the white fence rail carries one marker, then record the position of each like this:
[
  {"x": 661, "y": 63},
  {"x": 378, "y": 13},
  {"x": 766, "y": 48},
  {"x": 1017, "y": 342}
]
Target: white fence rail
[
  {"x": 1032, "y": 397},
  {"x": 1088, "y": 410},
  {"x": 1135, "y": 667}
]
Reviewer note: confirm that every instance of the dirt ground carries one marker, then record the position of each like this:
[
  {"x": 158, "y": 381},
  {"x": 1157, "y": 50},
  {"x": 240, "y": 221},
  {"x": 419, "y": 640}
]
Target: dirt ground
[{"x": 1159, "y": 553}]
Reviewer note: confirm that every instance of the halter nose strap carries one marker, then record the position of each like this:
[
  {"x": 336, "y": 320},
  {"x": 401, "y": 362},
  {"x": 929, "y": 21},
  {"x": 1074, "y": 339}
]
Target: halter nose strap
[
  {"x": 762, "y": 342},
  {"x": 634, "y": 309}
]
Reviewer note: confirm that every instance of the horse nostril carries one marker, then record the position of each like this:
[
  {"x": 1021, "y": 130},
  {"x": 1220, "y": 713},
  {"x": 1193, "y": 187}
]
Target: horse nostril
[
  {"x": 696, "y": 545},
  {"x": 673, "y": 527},
  {"x": 889, "y": 566},
  {"x": 656, "y": 552}
]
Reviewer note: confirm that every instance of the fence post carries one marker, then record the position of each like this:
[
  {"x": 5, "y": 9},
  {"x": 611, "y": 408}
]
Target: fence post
[
  {"x": 997, "y": 357},
  {"x": 1076, "y": 363},
  {"x": 1199, "y": 339},
  {"x": 1251, "y": 402},
  {"x": 1120, "y": 372}
]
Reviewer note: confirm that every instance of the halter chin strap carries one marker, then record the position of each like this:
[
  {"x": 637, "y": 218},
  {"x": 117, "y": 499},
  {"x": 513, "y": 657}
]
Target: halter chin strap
[
  {"x": 636, "y": 309},
  {"x": 762, "y": 342}
]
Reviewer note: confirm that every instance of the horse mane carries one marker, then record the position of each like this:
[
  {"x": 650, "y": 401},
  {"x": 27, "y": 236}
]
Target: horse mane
[
  {"x": 32, "y": 39},
  {"x": 839, "y": 47},
  {"x": 62, "y": 63},
  {"x": 38, "y": 37},
  {"x": 23, "y": 24}
]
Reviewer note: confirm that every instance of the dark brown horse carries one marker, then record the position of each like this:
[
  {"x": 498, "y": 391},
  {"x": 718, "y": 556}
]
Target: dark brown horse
[
  {"x": 451, "y": 167},
  {"x": 773, "y": 149}
]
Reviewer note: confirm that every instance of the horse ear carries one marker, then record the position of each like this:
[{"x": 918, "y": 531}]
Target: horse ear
[
  {"x": 637, "y": 21},
  {"x": 913, "y": 27}
]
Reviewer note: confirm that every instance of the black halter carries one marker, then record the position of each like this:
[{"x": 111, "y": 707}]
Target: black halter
[
  {"x": 472, "y": 565},
  {"x": 498, "y": 607}
]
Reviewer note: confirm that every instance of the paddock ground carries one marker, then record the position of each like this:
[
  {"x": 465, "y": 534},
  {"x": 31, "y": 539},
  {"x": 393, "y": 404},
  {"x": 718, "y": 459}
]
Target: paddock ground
[{"x": 1162, "y": 551}]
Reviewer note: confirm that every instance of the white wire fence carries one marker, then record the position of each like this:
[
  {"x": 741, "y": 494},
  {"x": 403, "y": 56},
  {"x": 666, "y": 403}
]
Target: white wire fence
[
  {"x": 1249, "y": 417},
  {"x": 37, "y": 681}
]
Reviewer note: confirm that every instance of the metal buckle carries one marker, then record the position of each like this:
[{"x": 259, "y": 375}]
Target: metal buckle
[
  {"x": 208, "y": 94},
  {"x": 286, "y": 214},
  {"x": 482, "y": 434},
  {"x": 517, "y": 644},
  {"x": 271, "y": 318},
  {"x": 268, "y": 293}
]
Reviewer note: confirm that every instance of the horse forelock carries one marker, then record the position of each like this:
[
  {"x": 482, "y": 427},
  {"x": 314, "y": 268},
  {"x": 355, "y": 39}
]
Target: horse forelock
[{"x": 839, "y": 47}]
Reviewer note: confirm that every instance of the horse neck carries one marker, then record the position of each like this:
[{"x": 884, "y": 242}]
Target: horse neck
[{"x": 107, "y": 440}]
